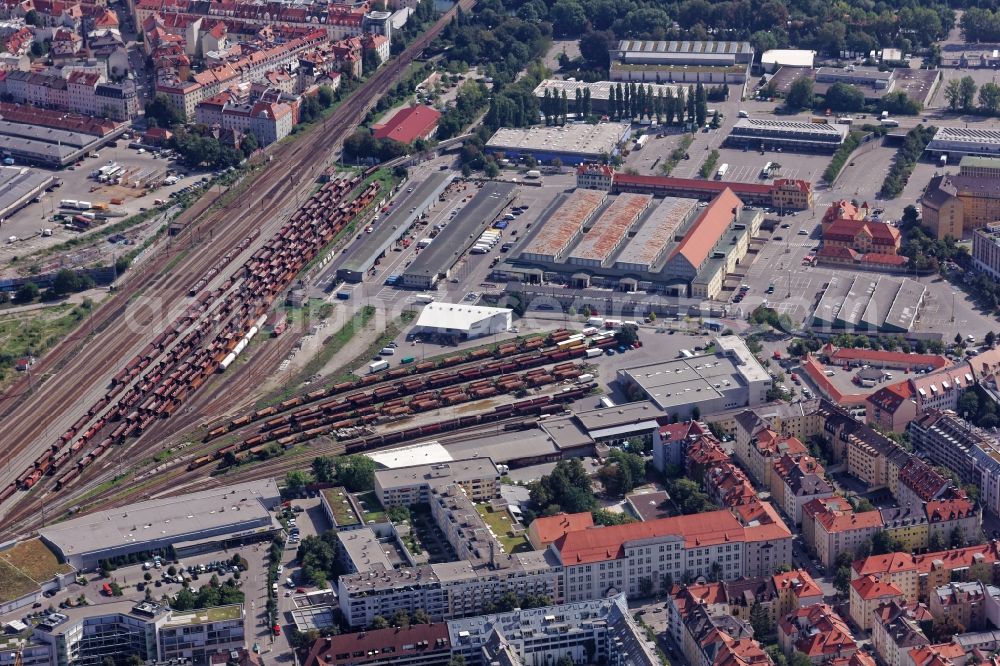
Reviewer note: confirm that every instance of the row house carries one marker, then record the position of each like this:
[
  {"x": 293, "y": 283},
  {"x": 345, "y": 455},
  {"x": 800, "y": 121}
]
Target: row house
[
  {"x": 869, "y": 592},
  {"x": 761, "y": 451},
  {"x": 965, "y": 603}
]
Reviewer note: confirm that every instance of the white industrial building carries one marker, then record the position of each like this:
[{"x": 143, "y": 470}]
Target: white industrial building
[
  {"x": 775, "y": 58},
  {"x": 188, "y": 523},
  {"x": 730, "y": 377},
  {"x": 468, "y": 321}
]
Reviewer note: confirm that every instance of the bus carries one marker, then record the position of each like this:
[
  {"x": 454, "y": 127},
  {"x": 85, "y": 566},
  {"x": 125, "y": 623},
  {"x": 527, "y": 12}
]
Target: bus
[{"x": 721, "y": 173}]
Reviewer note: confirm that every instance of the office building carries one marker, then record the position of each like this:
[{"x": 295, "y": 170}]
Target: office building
[
  {"x": 957, "y": 204},
  {"x": 88, "y": 635},
  {"x": 731, "y": 377},
  {"x": 404, "y": 486}
]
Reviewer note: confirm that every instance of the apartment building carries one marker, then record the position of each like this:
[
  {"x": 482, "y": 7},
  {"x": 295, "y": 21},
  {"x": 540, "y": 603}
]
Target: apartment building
[
  {"x": 637, "y": 558},
  {"x": 403, "y": 486},
  {"x": 891, "y": 408},
  {"x": 830, "y": 526},
  {"x": 986, "y": 249},
  {"x": 868, "y": 593},
  {"x": 708, "y": 634},
  {"x": 796, "y": 481},
  {"x": 795, "y": 589},
  {"x": 920, "y": 483},
  {"x": 957, "y": 204},
  {"x": 595, "y": 631},
  {"x": 761, "y": 451},
  {"x": 875, "y": 459},
  {"x": 818, "y": 632},
  {"x": 917, "y": 575},
  {"x": 481, "y": 577},
  {"x": 415, "y": 645},
  {"x": 79, "y": 92},
  {"x": 896, "y": 629},
  {"x": 908, "y": 525},
  {"x": 185, "y": 96},
  {"x": 963, "y": 602},
  {"x": 949, "y": 440},
  {"x": 942, "y": 389},
  {"x": 545, "y": 530}
]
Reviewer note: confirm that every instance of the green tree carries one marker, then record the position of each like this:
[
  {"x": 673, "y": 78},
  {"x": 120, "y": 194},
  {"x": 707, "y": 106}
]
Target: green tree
[
  {"x": 967, "y": 87},
  {"x": 701, "y": 105},
  {"x": 248, "y": 144},
  {"x": 953, "y": 93},
  {"x": 323, "y": 469},
  {"x": 295, "y": 481},
  {"x": 622, "y": 472},
  {"x": 800, "y": 94},
  {"x": 356, "y": 473},
  {"x": 842, "y": 580},
  {"x": 379, "y": 622},
  {"x": 27, "y": 293},
  {"x": 568, "y": 17},
  {"x": 566, "y": 488},
  {"x": 760, "y": 621},
  {"x": 957, "y": 537},
  {"x": 369, "y": 62},
  {"x": 67, "y": 282},
  {"x": 989, "y": 97},
  {"x": 844, "y": 97},
  {"x": 163, "y": 112}
]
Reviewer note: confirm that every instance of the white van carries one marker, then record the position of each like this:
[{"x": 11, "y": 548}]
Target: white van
[{"x": 387, "y": 351}]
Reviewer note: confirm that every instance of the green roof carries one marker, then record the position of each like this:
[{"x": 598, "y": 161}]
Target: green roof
[
  {"x": 203, "y": 615},
  {"x": 343, "y": 513},
  {"x": 976, "y": 161}
]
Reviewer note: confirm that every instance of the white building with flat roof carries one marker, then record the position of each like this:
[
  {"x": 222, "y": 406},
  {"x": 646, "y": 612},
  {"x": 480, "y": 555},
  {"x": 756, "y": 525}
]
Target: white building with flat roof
[
  {"x": 730, "y": 377},
  {"x": 404, "y": 486},
  {"x": 773, "y": 59},
  {"x": 217, "y": 515},
  {"x": 468, "y": 321}
]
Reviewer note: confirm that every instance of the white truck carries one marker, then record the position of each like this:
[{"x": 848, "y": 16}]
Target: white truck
[
  {"x": 378, "y": 366},
  {"x": 425, "y": 298},
  {"x": 533, "y": 173}
]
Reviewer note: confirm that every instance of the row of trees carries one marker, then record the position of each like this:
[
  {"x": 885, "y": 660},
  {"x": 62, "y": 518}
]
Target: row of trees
[
  {"x": 906, "y": 159},
  {"x": 208, "y": 596},
  {"x": 961, "y": 94},
  {"x": 981, "y": 24}
]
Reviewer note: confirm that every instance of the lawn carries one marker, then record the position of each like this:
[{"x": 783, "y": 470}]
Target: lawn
[
  {"x": 34, "y": 333},
  {"x": 13, "y": 583},
  {"x": 34, "y": 559},
  {"x": 372, "y": 507},
  {"x": 343, "y": 513},
  {"x": 214, "y": 614},
  {"x": 500, "y": 523}
]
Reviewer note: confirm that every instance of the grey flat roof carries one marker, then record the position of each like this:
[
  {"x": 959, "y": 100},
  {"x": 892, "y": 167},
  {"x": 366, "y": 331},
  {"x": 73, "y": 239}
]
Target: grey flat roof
[
  {"x": 47, "y": 134},
  {"x": 178, "y": 518},
  {"x": 364, "y": 550},
  {"x": 685, "y": 381},
  {"x": 879, "y": 304},
  {"x": 619, "y": 415},
  {"x": 973, "y": 135},
  {"x": 903, "y": 313},
  {"x": 466, "y": 469},
  {"x": 857, "y": 299},
  {"x": 687, "y": 47},
  {"x": 18, "y": 185},
  {"x": 49, "y": 152},
  {"x": 790, "y": 127},
  {"x": 313, "y": 617},
  {"x": 566, "y": 432},
  {"x": 460, "y": 233},
  {"x": 514, "y": 445},
  {"x": 829, "y": 304},
  {"x": 393, "y": 225},
  {"x": 574, "y": 139}
]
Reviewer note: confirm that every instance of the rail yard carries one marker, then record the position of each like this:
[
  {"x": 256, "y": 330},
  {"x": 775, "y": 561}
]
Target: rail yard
[{"x": 174, "y": 360}]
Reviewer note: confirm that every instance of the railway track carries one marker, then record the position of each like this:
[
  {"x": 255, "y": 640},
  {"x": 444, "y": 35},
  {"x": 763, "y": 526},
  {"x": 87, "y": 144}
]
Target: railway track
[{"x": 77, "y": 368}]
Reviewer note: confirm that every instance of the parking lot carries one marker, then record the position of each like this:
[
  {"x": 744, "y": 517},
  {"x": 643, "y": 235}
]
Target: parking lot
[{"x": 78, "y": 185}]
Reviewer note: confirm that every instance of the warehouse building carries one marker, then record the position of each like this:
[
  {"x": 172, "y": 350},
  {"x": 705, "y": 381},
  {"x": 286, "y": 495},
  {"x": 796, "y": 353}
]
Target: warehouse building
[
  {"x": 409, "y": 124},
  {"x": 600, "y": 91},
  {"x": 571, "y": 144},
  {"x": 707, "y": 62},
  {"x": 772, "y": 59},
  {"x": 957, "y": 142},
  {"x": 407, "y": 209},
  {"x": 48, "y": 146},
  {"x": 189, "y": 523},
  {"x": 463, "y": 321},
  {"x": 673, "y": 246},
  {"x": 869, "y": 305},
  {"x": 434, "y": 263},
  {"x": 794, "y": 136},
  {"x": 18, "y": 186},
  {"x": 729, "y": 378}
]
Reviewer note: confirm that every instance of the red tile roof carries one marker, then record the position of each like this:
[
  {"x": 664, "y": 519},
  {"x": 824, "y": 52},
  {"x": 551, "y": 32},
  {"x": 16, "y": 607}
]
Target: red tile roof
[
  {"x": 409, "y": 124},
  {"x": 708, "y": 228},
  {"x": 845, "y": 230},
  {"x": 949, "y": 509},
  {"x": 607, "y": 543},
  {"x": 843, "y": 521},
  {"x": 899, "y": 359},
  {"x": 871, "y": 587},
  {"x": 818, "y": 631},
  {"x": 550, "y": 528},
  {"x": 957, "y": 558},
  {"x": 800, "y": 582},
  {"x": 697, "y": 185},
  {"x": 942, "y": 654},
  {"x": 892, "y": 397}
]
